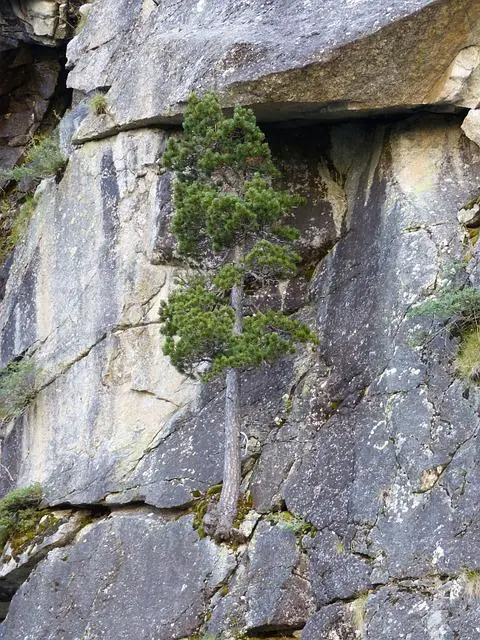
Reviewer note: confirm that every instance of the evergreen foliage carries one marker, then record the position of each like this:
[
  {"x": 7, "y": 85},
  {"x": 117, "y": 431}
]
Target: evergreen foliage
[{"x": 227, "y": 213}]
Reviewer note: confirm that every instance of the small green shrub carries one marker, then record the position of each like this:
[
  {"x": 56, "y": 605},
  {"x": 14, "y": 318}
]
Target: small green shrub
[
  {"x": 14, "y": 220},
  {"x": 43, "y": 158},
  {"x": 98, "y": 103},
  {"x": 17, "y": 388},
  {"x": 459, "y": 309},
  {"x": 460, "y": 305},
  {"x": 20, "y": 513}
]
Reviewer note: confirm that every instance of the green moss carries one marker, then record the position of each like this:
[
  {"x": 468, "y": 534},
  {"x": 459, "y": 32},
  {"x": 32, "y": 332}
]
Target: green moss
[
  {"x": 200, "y": 507},
  {"x": 473, "y": 234},
  {"x": 202, "y": 501},
  {"x": 309, "y": 270},
  {"x": 290, "y": 521},
  {"x": 245, "y": 505},
  {"x": 214, "y": 490},
  {"x": 340, "y": 546},
  {"x": 36, "y": 524},
  {"x": 86, "y": 520}
]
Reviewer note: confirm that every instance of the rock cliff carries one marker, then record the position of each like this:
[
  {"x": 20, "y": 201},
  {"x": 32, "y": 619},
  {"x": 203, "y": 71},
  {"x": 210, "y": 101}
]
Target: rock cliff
[{"x": 361, "y": 459}]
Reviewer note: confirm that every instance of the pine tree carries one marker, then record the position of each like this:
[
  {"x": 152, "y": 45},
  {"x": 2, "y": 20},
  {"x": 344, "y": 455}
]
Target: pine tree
[{"x": 229, "y": 216}]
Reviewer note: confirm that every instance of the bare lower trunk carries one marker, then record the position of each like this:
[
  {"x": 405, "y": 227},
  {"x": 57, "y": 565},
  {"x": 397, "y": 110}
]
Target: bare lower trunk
[
  {"x": 232, "y": 463},
  {"x": 227, "y": 506}
]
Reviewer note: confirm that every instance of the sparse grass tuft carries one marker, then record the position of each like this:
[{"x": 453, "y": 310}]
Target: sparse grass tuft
[
  {"x": 468, "y": 358},
  {"x": 358, "y": 612},
  {"x": 99, "y": 103},
  {"x": 471, "y": 581}
]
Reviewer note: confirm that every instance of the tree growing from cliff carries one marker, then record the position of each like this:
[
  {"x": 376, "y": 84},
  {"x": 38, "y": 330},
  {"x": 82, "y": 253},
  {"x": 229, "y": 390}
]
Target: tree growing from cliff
[{"x": 229, "y": 226}]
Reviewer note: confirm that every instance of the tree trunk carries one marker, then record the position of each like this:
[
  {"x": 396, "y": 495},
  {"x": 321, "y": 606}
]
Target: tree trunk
[{"x": 232, "y": 462}]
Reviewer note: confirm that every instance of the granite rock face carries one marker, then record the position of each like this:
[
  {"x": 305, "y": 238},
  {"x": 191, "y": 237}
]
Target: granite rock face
[
  {"x": 327, "y": 60},
  {"x": 378, "y": 443},
  {"x": 92, "y": 322},
  {"x": 360, "y": 459},
  {"x": 46, "y": 22},
  {"x": 27, "y": 86},
  {"x": 32, "y": 34},
  {"x": 83, "y": 589}
]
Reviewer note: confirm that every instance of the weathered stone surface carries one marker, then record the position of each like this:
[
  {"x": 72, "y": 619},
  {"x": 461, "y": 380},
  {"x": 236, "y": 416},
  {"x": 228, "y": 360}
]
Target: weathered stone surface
[
  {"x": 377, "y": 440},
  {"x": 85, "y": 283},
  {"x": 131, "y": 576},
  {"x": 471, "y": 126},
  {"x": 269, "y": 591},
  {"x": 55, "y": 530},
  {"x": 69, "y": 125},
  {"x": 28, "y": 82},
  {"x": 387, "y": 477},
  {"x": 333, "y": 622},
  {"x": 83, "y": 295},
  {"x": 187, "y": 455},
  {"x": 423, "y": 611},
  {"x": 48, "y": 22},
  {"x": 391, "y": 56},
  {"x": 370, "y": 438}
]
